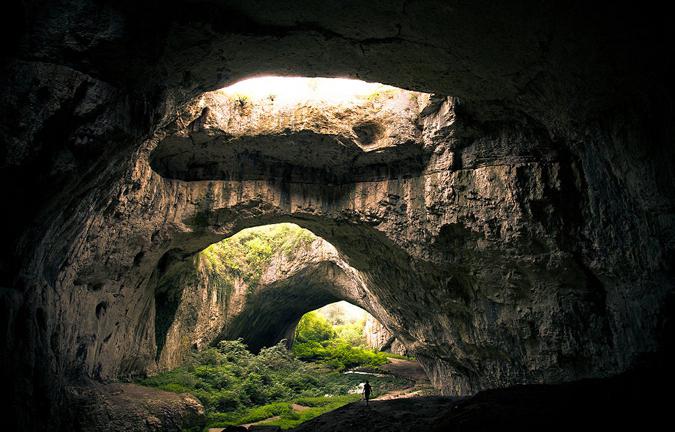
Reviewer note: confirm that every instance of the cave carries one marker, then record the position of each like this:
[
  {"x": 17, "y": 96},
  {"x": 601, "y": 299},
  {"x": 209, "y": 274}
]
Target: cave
[
  {"x": 493, "y": 182},
  {"x": 232, "y": 290}
]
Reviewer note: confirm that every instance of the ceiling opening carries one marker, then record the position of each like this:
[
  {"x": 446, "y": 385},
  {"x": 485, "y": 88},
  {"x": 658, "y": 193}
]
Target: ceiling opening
[
  {"x": 297, "y": 129},
  {"x": 289, "y": 91}
]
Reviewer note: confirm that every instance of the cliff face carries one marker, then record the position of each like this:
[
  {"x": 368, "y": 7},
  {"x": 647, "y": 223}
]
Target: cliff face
[
  {"x": 519, "y": 231},
  {"x": 379, "y": 338}
]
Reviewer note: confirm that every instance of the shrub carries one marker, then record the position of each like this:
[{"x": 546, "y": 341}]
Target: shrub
[
  {"x": 338, "y": 354},
  {"x": 237, "y": 387},
  {"x": 313, "y": 328}
]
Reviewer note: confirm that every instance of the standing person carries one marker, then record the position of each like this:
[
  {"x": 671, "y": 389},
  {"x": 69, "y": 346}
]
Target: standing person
[{"x": 366, "y": 391}]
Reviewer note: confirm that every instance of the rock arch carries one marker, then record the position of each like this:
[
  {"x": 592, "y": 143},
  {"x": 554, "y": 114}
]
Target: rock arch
[
  {"x": 539, "y": 250},
  {"x": 471, "y": 246},
  {"x": 209, "y": 306}
]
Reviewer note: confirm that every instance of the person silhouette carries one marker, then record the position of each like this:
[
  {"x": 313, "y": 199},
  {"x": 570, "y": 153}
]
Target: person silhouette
[{"x": 366, "y": 391}]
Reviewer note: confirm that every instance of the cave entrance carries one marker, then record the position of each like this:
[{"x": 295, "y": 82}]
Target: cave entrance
[
  {"x": 255, "y": 285},
  {"x": 337, "y": 157},
  {"x": 325, "y": 131},
  {"x": 342, "y": 324},
  {"x": 316, "y": 151},
  {"x": 272, "y": 325}
]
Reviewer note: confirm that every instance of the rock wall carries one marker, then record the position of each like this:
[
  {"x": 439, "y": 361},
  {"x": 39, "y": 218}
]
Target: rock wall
[
  {"x": 379, "y": 338},
  {"x": 210, "y": 303},
  {"x": 485, "y": 229},
  {"x": 533, "y": 244}
]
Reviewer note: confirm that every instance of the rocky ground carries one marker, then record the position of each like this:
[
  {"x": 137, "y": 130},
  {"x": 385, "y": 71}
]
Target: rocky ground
[
  {"x": 131, "y": 407},
  {"x": 633, "y": 400}
]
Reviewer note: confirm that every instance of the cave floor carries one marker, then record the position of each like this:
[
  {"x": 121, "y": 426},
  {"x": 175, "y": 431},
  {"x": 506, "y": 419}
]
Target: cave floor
[
  {"x": 637, "y": 400},
  {"x": 410, "y": 370}
]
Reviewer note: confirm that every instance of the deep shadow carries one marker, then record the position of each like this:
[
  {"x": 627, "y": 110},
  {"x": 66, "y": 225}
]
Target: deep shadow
[
  {"x": 304, "y": 156},
  {"x": 635, "y": 400}
]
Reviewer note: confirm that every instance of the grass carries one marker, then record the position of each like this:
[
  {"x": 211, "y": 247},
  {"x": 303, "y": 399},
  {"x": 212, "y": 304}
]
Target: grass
[
  {"x": 338, "y": 347},
  {"x": 323, "y": 405},
  {"x": 288, "y": 418},
  {"x": 338, "y": 354},
  {"x": 237, "y": 387},
  {"x": 251, "y": 415},
  {"x": 398, "y": 356}
]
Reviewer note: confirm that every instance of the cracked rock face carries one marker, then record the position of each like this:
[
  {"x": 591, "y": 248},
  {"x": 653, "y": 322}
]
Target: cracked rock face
[
  {"x": 471, "y": 263},
  {"x": 519, "y": 231}
]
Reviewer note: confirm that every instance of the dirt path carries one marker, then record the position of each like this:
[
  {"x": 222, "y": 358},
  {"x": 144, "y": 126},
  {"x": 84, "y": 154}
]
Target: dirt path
[
  {"x": 247, "y": 425},
  {"x": 296, "y": 407},
  {"x": 411, "y": 370},
  {"x": 299, "y": 408}
]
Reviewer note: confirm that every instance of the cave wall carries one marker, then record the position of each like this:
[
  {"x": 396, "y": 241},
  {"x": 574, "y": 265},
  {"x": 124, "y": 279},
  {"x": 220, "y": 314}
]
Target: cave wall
[
  {"x": 539, "y": 238},
  {"x": 209, "y": 307},
  {"x": 379, "y": 338}
]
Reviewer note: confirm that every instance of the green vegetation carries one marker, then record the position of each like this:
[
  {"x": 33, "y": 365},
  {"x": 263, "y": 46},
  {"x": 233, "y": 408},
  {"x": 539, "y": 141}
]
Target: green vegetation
[
  {"x": 339, "y": 347},
  {"x": 277, "y": 386},
  {"x": 237, "y": 387},
  {"x": 247, "y": 253},
  {"x": 288, "y": 417},
  {"x": 399, "y": 356}
]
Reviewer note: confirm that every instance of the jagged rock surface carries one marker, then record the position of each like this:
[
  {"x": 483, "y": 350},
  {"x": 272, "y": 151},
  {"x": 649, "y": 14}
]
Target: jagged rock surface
[
  {"x": 535, "y": 244},
  {"x": 133, "y": 408}
]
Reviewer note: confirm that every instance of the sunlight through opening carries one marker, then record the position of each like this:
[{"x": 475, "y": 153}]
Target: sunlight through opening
[{"x": 297, "y": 90}]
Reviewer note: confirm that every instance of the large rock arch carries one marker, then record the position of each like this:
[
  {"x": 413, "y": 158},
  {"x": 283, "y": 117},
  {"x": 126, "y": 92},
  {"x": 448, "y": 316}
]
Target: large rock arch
[
  {"x": 456, "y": 254},
  {"x": 580, "y": 224},
  {"x": 207, "y": 302}
]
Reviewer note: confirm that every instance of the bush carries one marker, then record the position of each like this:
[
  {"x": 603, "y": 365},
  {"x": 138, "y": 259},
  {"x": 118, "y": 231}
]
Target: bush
[
  {"x": 313, "y": 328},
  {"x": 237, "y": 387},
  {"x": 338, "y": 354},
  {"x": 340, "y": 347},
  {"x": 352, "y": 333}
]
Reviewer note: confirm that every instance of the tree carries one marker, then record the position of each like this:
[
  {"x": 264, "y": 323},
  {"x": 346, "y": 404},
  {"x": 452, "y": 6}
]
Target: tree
[{"x": 313, "y": 328}]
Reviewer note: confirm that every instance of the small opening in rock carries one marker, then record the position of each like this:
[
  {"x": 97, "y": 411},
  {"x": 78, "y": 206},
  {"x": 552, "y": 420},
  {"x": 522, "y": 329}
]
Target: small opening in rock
[
  {"x": 138, "y": 258},
  {"x": 367, "y": 132},
  {"x": 100, "y": 309}
]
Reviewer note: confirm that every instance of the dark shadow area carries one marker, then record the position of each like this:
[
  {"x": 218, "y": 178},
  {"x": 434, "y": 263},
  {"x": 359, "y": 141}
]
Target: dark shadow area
[
  {"x": 505, "y": 267},
  {"x": 171, "y": 267},
  {"x": 635, "y": 400},
  {"x": 303, "y": 157}
]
